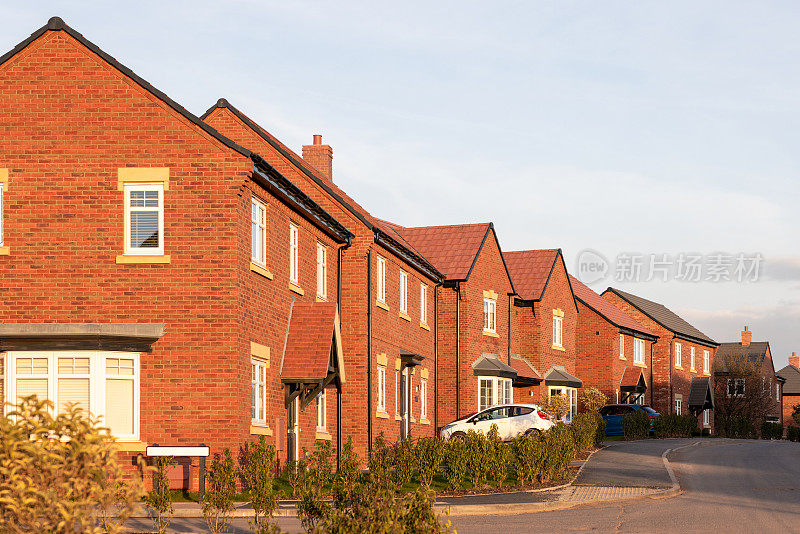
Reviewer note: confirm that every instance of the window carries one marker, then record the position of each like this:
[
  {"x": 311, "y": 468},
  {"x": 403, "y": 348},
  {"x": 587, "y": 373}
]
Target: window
[
  {"x": 396, "y": 389},
  {"x": 322, "y": 271},
  {"x": 322, "y": 410},
  {"x": 144, "y": 219},
  {"x": 105, "y": 384},
  {"x": 639, "y": 400},
  {"x": 423, "y": 304},
  {"x": 572, "y": 400},
  {"x": 706, "y": 417},
  {"x": 258, "y": 399},
  {"x": 293, "y": 254},
  {"x": 557, "y": 331},
  {"x": 778, "y": 392},
  {"x": 638, "y": 351},
  {"x": 380, "y": 284},
  {"x": 677, "y": 355},
  {"x": 403, "y": 292},
  {"x": 1, "y": 214},
  {"x": 381, "y": 388},
  {"x": 691, "y": 358},
  {"x": 489, "y": 315},
  {"x": 678, "y": 403},
  {"x": 423, "y": 399},
  {"x": 621, "y": 347},
  {"x": 258, "y": 230},
  {"x": 705, "y": 361},
  {"x": 493, "y": 391},
  {"x": 736, "y": 387}
]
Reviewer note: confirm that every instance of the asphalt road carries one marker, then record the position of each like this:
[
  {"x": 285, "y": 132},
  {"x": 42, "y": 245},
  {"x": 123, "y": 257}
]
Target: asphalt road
[{"x": 729, "y": 486}]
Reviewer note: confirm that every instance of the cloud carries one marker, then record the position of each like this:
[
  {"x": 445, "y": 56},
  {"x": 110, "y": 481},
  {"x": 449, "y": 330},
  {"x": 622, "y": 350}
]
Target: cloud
[{"x": 777, "y": 268}]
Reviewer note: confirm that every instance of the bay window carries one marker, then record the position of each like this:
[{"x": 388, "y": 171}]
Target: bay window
[
  {"x": 493, "y": 391},
  {"x": 571, "y": 395}
]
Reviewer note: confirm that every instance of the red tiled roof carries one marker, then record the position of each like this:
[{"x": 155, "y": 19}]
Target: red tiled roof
[
  {"x": 530, "y": 270},
  {"x": 451, "y": 249},
  {"x": 630, "y": 377},
  {"x": 308, "y": 347},
  {"x": 605, "y": 308},
  {"x": 524, "y": 368}
]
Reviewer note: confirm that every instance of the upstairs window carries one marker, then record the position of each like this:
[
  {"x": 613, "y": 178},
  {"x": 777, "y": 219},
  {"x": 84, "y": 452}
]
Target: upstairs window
[
  {"x": 622, "y": 347},
  {"x": 322, "y": 271},
  {"x": 691, "y": 358},
  {"x": 677, "y": 355},
  {"x": 144, "y": 219},
  {"x": 322, "y": 411},
  {"x": 638, "y": 351},
  {"x": 258, "y": 237},
  {"x": 558, "y": 326},
  {"x": 423, "y": 304},
  {"x": 294, "y": 267},
  {"x": 1, "y": 214},
  {"x": 489, "y": 315},
  {"x": 380, "y": 283},
  {"x": 403, "y": 292},
  {"x": 705, "y": 361},
  {"x": 736, "y": 387}
]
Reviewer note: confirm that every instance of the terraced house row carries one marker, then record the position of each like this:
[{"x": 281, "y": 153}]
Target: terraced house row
[{"x": 193, "y": 280}]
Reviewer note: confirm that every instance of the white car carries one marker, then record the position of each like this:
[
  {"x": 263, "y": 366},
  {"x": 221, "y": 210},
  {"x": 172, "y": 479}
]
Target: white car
[{"x": 511, "y": 420}]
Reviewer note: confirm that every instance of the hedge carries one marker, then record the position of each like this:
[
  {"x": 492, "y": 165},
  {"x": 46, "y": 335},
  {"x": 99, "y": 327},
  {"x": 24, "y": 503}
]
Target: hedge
[
  {"x": 735, "y": 427},
  {"x": 675, "y": 426},
  {"x": 636, "y": 425},
  {"x": 793, "y": 433},
  {"x": 771, "y": 430}
]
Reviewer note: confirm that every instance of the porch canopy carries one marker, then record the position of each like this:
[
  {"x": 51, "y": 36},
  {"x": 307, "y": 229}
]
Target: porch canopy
[
  {"x": 700, "y": 395},
  {"x": 632, "y": 384},
  {"x": 557, "y": 375},
  {"x": 527, "y": 375},
  {"x": 489, "y": 364},
  {"x": 312, "y": 356}
]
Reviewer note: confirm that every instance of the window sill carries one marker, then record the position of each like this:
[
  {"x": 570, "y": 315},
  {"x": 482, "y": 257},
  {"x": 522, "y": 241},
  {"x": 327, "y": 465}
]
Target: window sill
[
  {"x": 322, "y": 435},
  {"x": 321, "y": 299},
  {"x": 397, "y": 417},
  {"x": 425, "y": 326},
  {"x": 706, "y": 373},
  {"x": 623, "y": 358},
  {"x": 413, "y": 420},
  {"x": 131, "y": 259},
  {"x": 260, "y": 430},
  {"x": 424, "y": 422},
  {"x": 258, "y": 269},
  {"x": 131, "y": 446},
  {"x": 296, "y": 289},
  {"x": 381, "y": 304},
  {"x": 382, "y": 415},
  {"x": 679, "y": 367},
  {"x": 692, "y": 370},
  {"x": 5, "y": 251},
  {"x": 642, "y": 365},
  {"x": 556, "y": 347},
  {"x": 404, "y": 316},
  {"x": 490, "y": 334}
]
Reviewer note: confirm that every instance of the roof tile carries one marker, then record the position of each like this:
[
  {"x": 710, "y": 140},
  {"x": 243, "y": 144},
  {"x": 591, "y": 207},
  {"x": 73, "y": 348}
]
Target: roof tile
[
  {"x": 605, "y": 308},
  {"x": 308, "y": 347},
  {"x": 530, "y": 270}
]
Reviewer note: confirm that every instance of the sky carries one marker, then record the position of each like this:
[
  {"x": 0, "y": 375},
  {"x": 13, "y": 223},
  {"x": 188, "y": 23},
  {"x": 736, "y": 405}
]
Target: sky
[{"x": 626, "y": 129}]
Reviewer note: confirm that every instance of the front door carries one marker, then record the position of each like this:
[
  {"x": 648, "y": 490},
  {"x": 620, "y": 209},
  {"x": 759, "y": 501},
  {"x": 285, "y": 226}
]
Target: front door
[
  {"x": 404, "y": 415},
  {"x": 293, "y": 430}
]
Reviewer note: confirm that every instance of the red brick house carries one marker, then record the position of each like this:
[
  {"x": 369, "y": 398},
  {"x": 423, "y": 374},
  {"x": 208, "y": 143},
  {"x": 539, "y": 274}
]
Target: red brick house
[
  {"x": 153, "y": 270},
  {"x": 682, "y": 358},
  {"x": 388, "y": 295},
  {"x": 544, "y": 321},
  {"x": 759, "y": 375},
  {"x": 790, "y": 390},
  {"x": 473, "y": 315},
  {"x": 614, "y": 350}
]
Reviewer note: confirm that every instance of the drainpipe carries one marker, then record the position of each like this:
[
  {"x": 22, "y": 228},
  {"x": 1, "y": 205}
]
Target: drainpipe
[
  {"x": 458, "y": 350},
  {"x": 369, "y": 352},
  {"x": 436, "y": 358},
  {"x": 510, "y": 296},
  {"x": 671, "y": 399},
  {"x": 339, "y": 384},
  {"x": 651, "y": 373}
]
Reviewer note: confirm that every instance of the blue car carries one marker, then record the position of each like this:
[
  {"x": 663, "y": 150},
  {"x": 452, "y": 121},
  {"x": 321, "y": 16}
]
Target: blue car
[{"x": 613, "y": 414}]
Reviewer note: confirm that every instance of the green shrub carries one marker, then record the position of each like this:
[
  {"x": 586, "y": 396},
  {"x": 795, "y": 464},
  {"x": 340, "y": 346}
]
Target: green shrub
[
  {"x": 217, "y": 502},
  {"x": 381, "y": 462},
  {"x": 256, "y": 463},
  {"x": 526, "y": 450},
  {"x": 559, "y": 450},
  {"x": 455, "y": 458},
  {"x": 636, "y": 425},
  {"x": 675, "y": 426},
  {"x": 735, "y": 427},
  {"x": 159, "y": 499},
  {"x": 60, "y": 473},
  {"x": 793, "y": 433},
  {"x": 428, "y": 456},
  {"x": 403, "y": 461},
  {"x": 478, "y": 457},
  {"x": 771, "y": 430},
  {"x": 497, "y": 457},
  {"x": 585, "y": 430},
  {"x": 592, "y": 399}
]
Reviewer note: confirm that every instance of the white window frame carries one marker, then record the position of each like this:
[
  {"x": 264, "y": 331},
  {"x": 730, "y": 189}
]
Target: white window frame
[
  {"x": 396, "y": 390},
  {"x": 489, "y": 315},
  {"x": 2, "y": 214},
  {"x": 736, "y": 382},
  {"x": 403, "y": 292},
  {"x": 322, "y": 411},
  {"x": 255, "y": 383},
  {"x": 258, "y": 228},
  {"x": 507, "y": 396},
  {"x": 97, "y": 380},
  {"x": 381, "y": 384},
  {"x": 778, "y": 391},
  {"x": 423, "y": 304},
  {"x": 638, "y": 351},
  {"x": 146, "y": 251},
  {"x": 294, "y": 254},
  {"x": 706, "y": 417},
  {"x": 691, "y": 359},
  {"x": 706, "y": 358},
  {"x": 678, "y": 362},
  {"x": 423, "y": 398},
  {"x": 558, "y": 331},
  {"x": 322, "y": 271},
  {"x": 622, "y": 347},
  {"x": 678, "y": 406},
  {"x": 572, "y": 399},
  {"x": 380, "y": 279}
]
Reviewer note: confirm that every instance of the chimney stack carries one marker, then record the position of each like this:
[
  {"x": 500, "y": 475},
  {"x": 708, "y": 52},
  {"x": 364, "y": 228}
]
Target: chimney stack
[
  {"x": 747, "y": 336},
  {"x": 794, "y": 359},
  {"x": 320, "y": 157}
]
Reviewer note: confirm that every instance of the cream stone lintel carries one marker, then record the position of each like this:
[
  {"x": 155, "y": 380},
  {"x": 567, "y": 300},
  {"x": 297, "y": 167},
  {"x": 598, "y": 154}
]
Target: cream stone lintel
[
  {"x": 397, "y": 364},
  {"x": 382, "y": 359},
  {"x": 489, "y": 294},
  {"x": 5, "y": 251},
  {"x": 4, "y": 179},
  {"x": 139, "y": 175},
  {"x": 558, "y": 312},
  {"x": 423, "y": 373},
  {"x": 259, "y": 351}
]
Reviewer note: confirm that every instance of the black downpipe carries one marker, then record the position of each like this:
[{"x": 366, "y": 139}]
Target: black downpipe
[
  {"x": 458, "y": 350},
  {"x": 509, "y": 329},
  {"x": 339, "y": 384},
  {"x": 652, "y": 387},
  {"x": 369, "y": 352},
  {"x": 436, "y": 358}
]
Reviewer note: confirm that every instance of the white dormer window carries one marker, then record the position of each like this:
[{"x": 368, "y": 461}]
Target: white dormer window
[{"x": 144, "y": 219}]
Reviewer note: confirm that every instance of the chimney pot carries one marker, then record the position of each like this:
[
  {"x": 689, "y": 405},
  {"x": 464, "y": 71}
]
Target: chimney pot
[
  {"x": 747, "y": 336},
  {"x": 319, "y": 156},
  {"x": 317, "y": 139},
  {"x": 794, "y": 360}
]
